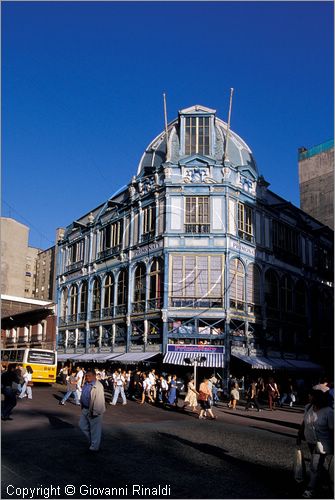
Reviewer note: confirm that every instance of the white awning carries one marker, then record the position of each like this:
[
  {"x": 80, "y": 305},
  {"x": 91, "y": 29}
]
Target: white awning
[
  {"x": 257, "y": 362},
  {"x": 280, "y": 363},
  {"x": 64, "y": 357},
  {"x": 94, "y": 356},
  {"x": 135, "y": 357},
  {"x": 300, "y": 364},
  {"x": 213, "y": 360}
]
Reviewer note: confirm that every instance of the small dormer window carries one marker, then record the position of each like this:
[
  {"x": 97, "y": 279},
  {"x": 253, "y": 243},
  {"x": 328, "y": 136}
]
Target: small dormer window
[{"x": 197, "y": 135}]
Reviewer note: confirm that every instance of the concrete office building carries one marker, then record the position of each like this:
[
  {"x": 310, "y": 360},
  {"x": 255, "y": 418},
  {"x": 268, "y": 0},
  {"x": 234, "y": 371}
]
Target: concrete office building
[
  {"x": 316, "y": 180},
  {"x": 18, "y": 259}
]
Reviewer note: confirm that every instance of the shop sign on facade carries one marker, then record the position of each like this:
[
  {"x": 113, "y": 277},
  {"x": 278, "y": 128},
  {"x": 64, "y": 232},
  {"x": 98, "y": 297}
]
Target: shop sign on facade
[{"x": 196, "y": 348}]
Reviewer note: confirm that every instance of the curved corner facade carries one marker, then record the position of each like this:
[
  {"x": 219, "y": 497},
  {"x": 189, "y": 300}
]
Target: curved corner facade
[{"x": 196, "y": 253}]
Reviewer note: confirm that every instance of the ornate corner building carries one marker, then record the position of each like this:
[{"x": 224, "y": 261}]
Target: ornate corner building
[{"x": 197, "y": 255}]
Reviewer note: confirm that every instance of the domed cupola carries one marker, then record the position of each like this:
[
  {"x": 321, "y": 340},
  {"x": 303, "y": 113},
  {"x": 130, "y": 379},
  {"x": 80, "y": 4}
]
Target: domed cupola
[{"x": 197, "y": 133}]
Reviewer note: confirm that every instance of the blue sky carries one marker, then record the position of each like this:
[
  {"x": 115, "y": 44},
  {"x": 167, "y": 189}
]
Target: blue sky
[{"x": 82, "y": 86}]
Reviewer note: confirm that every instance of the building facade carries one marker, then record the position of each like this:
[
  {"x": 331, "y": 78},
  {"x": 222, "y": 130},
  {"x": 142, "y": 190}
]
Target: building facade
[
  {"x": 34, "y": 325},
  {"x": 196, "y": 255},
  {"x": 18, "y": 259},
  {"x": 45, "y": 278},
  {"x": 316, "y": 180}
]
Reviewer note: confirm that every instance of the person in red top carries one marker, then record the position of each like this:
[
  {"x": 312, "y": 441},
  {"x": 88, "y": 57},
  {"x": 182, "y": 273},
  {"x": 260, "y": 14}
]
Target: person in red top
[{"x": 205, "y": 394}]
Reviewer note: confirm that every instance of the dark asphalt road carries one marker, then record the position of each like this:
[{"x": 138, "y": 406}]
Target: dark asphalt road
[{"x": 240, "y": 455}]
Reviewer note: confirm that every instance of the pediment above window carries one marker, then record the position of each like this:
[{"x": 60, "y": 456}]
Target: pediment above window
[
  {"x": 196, "y": 161},
  {"x": 248, "y": 172}
]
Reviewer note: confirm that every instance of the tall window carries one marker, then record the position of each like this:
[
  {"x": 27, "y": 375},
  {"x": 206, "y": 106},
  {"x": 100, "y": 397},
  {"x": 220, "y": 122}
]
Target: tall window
[
  {"x": 76, "y": 253},
  {"x": 83, "y": 300},
  {"x": 111, "y": 237},
  {"x": 286, "y": 294},
  {"x": 197, "y": 281},
  {"x": 96, "y": 300},
  {"x": 245, "y": 224},
  {"x": 236, "y": 285},
  {"x": 139, "y": 288},
  {"x": 197, "y": 214},
  {"x": 64, "y": 303},
  {"x": 122, "y": 288},
  {"x": 253, "y": 289},
  {"x": 109, "y": 291},
  {"x": 197, "y": 135},
  {"x": 73, "y": 300},
  {"x": 156, "y": 282},
  {"x": 300, "y": 298},
  {"x": 285, "y": 241},
  {"x": 271, "y": 289},
  {"x": 148, "y": 222}
]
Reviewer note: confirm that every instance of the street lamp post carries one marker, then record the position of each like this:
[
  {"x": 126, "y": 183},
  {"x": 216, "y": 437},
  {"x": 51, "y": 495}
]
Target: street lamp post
[{"x": 194, "y": 362}]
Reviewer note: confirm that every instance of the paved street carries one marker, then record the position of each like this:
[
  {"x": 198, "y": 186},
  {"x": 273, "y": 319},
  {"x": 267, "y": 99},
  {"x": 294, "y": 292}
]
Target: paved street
[{"x": 240, "y": 455}]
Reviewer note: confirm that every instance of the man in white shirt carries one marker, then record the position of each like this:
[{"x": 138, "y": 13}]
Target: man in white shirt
[
  {"x": 80, "y": 377},
  {"x": 119, "y": 383}
]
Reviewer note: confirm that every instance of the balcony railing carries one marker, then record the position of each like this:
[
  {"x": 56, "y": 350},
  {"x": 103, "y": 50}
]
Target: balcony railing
[
  {"x": 155, "y": 303},
  {"x": 95, "y": 314},
  {"x": 138, "y": 306},
  {"x": 75, "y": 265},
  {"x": 196, "y": 303},
  {"x": 236, "y": 304},
  {"x": 148, "y": 236},
  {"x": 197, "y": 228},
  {"x": 246, "y": 236},
  {"x": 108, "y": 312},
  {"x": 120, "y": 310},
  {"x": 108, "y": 252},
  {"x": 82, "y": 316},
  {"x": 72, "y": 318}
]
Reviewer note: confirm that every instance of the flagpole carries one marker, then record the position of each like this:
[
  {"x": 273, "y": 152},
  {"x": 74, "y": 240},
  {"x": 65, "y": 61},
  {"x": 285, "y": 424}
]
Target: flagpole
[
  {"x": 166, "y": 126},
  {"x": 225, "y": 155}
]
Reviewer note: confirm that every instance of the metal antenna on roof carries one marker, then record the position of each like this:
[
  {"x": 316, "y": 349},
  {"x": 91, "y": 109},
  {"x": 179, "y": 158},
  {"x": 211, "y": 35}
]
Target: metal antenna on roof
[
  {"x": 166, "y": 126},
  {"x": 225, "y": 154}
]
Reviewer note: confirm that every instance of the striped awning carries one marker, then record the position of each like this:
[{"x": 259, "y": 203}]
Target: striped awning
[{"x": 213, "y": 360}]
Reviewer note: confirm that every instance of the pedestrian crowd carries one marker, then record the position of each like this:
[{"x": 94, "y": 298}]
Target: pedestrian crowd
[{"x": 144, "y": 387}]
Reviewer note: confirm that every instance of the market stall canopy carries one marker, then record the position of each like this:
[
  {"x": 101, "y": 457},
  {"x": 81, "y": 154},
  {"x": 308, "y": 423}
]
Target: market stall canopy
[{"x": 135, "y": 357}]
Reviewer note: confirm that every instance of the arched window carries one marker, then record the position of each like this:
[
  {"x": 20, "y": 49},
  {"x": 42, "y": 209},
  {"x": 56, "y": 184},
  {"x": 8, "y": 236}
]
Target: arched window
[
  {"x": 109, "y": 291},
  {"x": 96, "y": 299},
  {"x": 156, "y": 284},
  {"x": 139, "y": 288},
  {"x": 236, "y": 284},
  {"x": 286, "y": 294},
  {"x": 73, "y": 300},
  {"x": 271, "y": 289},
  {"x": 253, "y": 288},
  {"x": 300, "y": 297},
  {"x": 122, "y": 287},
  {"x": 64, "y": 303},
  {"x": 83, "y": 299}
]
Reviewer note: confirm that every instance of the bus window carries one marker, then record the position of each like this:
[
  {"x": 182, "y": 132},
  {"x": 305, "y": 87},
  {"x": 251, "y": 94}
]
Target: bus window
[{"x": 45, "y": 358}]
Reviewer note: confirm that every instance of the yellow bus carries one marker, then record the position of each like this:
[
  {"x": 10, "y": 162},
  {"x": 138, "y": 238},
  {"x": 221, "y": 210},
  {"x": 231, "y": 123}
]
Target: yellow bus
[{"x": 42, "y": 361}]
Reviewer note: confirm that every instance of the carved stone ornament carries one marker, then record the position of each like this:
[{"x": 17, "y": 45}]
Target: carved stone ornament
[{"x": 197, "y": 175}]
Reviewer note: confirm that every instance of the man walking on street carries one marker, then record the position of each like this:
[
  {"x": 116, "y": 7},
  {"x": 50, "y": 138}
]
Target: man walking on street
[
  {"x": 93, "y": 407},
  {"x": 119, "y": 383}
]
